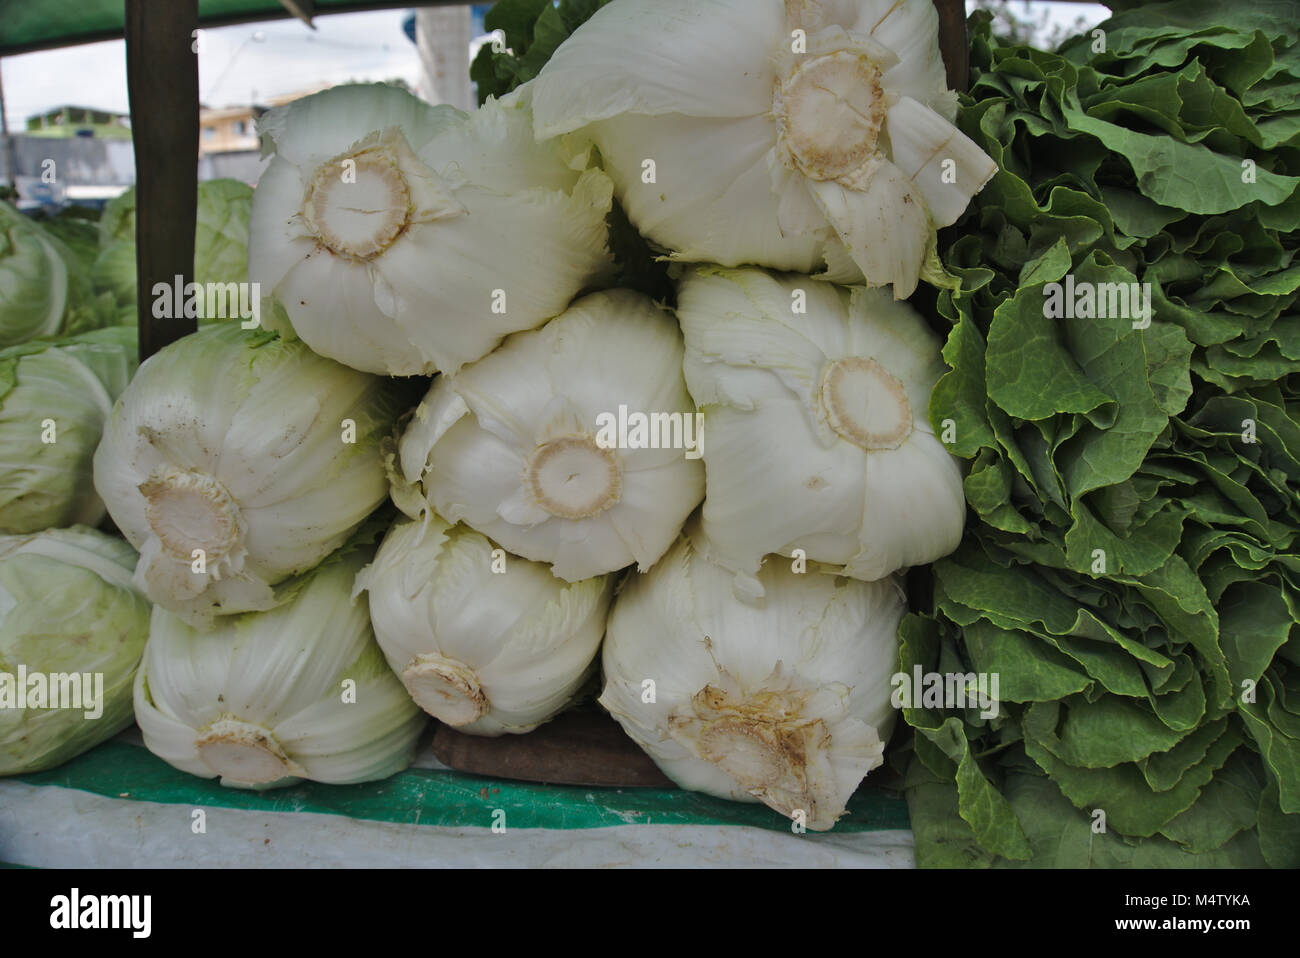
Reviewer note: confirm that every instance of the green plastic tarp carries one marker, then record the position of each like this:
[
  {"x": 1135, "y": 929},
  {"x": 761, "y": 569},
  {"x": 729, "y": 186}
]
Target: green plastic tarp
[
  {"x": 117, "y": 806},
  {"x": 27, "y": 25}
]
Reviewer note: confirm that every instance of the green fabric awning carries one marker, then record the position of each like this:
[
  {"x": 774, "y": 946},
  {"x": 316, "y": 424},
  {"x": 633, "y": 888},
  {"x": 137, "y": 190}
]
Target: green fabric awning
[{"x": 27, "y": 25}]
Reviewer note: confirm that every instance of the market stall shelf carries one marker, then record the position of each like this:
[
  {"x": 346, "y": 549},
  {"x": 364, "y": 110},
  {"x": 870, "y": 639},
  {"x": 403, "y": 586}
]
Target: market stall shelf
[{"x": 120, "y": 806}]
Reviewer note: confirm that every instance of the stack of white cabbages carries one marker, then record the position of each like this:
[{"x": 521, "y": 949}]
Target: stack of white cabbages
[{"x": 722, "y": 492}]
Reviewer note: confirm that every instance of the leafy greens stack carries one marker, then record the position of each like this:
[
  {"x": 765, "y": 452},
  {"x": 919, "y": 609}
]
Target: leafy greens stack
[{"x": 1130, "y": 571}]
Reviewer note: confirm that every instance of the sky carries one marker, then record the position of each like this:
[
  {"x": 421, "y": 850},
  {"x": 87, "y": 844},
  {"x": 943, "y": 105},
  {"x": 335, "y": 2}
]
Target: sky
[
  {"x": 254, "y": 62},
  {"x": 237, "y": 65}
]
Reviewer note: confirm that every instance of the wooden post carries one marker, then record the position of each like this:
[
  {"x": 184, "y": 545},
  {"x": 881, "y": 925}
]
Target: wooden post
[
  {"x": 953, "y": 42},
  {"x": 162, "y": 76}
]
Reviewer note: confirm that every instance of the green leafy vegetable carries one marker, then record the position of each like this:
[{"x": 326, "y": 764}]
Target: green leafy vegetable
[
  {"x": 220, "y": 242},
  {"x": 1131, "y": 568},
  {"x": 78, "y": 229},
  {"x": 532, "y": 30},
  {"x": 72, "y": 630},
  {"x": 55, "y": 397},
  {"x": 44, "y": 289}
]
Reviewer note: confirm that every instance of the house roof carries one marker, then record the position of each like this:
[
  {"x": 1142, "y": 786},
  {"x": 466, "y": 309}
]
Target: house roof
[{"x": 56, "y": 110}]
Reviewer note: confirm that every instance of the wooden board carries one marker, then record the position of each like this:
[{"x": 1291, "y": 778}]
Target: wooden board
[
  {"x": 581, "y": 747},
  {"x": 162, "y": 77},
  {"x": 954, "y": 45}
]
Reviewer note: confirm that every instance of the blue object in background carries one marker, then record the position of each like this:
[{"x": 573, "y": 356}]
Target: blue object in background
[{"x": 477, "y": 11}]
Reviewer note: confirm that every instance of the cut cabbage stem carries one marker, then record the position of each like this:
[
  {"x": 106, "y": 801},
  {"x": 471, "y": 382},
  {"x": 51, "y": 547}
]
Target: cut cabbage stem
[
  {"x": 242, "y": 752},
  {"x": 865, "y": 403},
  {"x": 829, "y": 114},
  {"x": 745, "y": 750},
  {"x": 358, "y": 204},
  {"x": 766, "y": 742},
  {"x": 574, "y": 478},
  {"x": 445, "y": 688},
  {"x": 189, "y": 511}
]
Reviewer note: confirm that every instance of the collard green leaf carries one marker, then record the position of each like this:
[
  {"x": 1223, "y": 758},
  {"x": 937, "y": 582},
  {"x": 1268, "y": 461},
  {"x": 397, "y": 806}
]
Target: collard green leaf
[
  {"x": 943, "y": 839},
  {"x": 1279, "y": 833},
  {"x": 1164, "y": 770},
  {"x": 1031, "y": 373},
  {"x": 1028, "y": 670},
  {"x": 1280, "y": 753},
  {"x": 1111, "y": 731},
  {"x": 1121, "y": 790},
  {"x": 960, "y": 395},
  {"x": 533, "y": 30},
  {"x": 1131, "y": 567},
  {"x": 979, "y": 803},
  {"x": 1227, "y": 805},
  {"x": 1063, "y": 836}
]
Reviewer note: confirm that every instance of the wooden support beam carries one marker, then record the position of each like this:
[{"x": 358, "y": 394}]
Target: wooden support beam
[
  {"x": 162, "y": 76},
  {"x": 954, "y": 45},
  {"x": 583, "y": 746}
]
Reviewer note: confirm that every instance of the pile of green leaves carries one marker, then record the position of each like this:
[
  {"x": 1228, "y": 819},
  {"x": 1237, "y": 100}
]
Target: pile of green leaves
[{"x": 1130, "y": 569}]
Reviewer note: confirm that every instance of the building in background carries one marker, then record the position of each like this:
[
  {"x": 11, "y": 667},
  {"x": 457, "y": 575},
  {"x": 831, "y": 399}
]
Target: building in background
[
  {"x": 69, "y": 154},
  {"x": 228, "y": 130},
  {"x": 83, "y": 154},
  {"x": 228, "y": 142},
  {"x": 69, "y": 121}
]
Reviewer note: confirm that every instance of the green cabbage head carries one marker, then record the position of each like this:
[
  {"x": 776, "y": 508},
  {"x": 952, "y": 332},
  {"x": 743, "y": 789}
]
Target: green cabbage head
[
  {"x": 43, "y": 291},
  {"x": 220, "y": 241},
  {"x": 55, "y": 397},
  {"x": 67, "y": 608}
]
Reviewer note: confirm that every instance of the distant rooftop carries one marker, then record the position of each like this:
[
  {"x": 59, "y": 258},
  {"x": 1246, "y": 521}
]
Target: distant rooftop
[
  {"x": 72, "y": 108},
  {"x": 71, "y": 120}
]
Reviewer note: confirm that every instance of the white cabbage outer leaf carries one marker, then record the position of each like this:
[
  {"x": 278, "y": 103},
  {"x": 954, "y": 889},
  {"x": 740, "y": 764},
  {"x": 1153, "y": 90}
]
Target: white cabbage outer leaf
[
  {"x": 819, "y": 433},
  {"x": 509, "y": 445},
  {"x": 804, "y": 135},
  {"x": 486, "y": 642},
  {"x": 252, "y": 449},
  {"x": 67, "y": 606},
  {"x": 785, "y": 701},
  {"x": 269, "y": 698},
  {"x": 404, "y": 239},
  {"x": 55, "y": 396}
]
